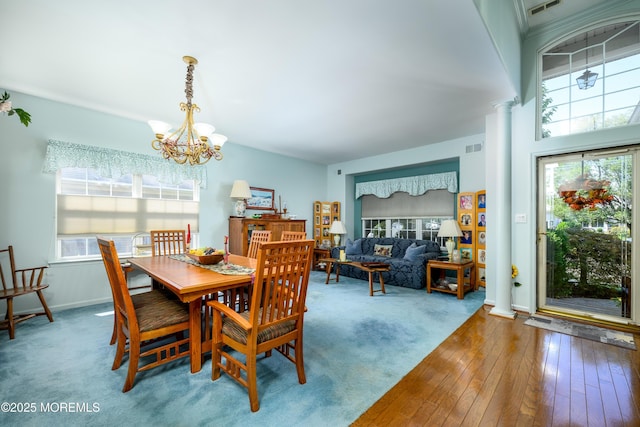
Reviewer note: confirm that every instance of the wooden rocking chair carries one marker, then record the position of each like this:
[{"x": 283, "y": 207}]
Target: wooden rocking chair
[{"x": 24, "y": 281}]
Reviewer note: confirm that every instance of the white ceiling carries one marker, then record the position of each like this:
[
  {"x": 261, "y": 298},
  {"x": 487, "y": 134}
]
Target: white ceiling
[{"x": 327, "y": 81}]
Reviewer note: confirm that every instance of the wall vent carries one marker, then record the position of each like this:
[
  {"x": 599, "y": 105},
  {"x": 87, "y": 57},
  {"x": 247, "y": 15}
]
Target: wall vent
[
  {"x": 473, "y": 148},
  {"x": 543, "y": 6}
]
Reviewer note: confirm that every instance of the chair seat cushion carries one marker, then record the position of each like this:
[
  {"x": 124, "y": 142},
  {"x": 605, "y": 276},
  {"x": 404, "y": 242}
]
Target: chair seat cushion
[
  {"x": 234, "y": 331},
  {"x": 152, "y": 297},
  {"x": 161, "y": 313}
]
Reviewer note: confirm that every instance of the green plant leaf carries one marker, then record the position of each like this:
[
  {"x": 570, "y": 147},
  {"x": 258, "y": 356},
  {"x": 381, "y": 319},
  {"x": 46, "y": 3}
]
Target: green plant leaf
[{"x": 25, "y": 118}]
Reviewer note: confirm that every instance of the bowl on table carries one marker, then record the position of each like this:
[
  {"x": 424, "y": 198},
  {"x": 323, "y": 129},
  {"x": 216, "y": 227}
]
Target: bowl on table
[{"x": 206, "y": 259}]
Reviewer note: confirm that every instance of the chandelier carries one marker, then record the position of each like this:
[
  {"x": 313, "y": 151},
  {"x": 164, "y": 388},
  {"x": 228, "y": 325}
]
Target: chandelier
[{"x": 192, "y": 142}]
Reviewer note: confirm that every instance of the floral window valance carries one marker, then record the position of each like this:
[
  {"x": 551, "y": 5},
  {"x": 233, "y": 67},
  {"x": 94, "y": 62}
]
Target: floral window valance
[
  {"x": 414, "y": 185},
  {"x": 114, "y": 163}
]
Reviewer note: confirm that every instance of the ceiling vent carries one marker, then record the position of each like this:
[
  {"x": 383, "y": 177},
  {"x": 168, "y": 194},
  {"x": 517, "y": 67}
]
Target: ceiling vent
[{"x": 542, "y": 7}]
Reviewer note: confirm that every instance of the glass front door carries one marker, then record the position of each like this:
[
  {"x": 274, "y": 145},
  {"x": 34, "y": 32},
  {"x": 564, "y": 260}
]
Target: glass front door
[{"x": 585, "y": 228}]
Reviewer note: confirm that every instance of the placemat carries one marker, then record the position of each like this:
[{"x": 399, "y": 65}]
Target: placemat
[{"x": 221, "y": 267}]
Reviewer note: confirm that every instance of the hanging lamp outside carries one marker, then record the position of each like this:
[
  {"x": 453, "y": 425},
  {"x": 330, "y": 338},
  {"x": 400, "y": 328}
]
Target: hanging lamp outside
[{"x": 588, "y": 78}]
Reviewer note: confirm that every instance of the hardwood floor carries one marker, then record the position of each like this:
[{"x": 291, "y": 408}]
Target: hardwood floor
[{"x": 500, "y": 372}]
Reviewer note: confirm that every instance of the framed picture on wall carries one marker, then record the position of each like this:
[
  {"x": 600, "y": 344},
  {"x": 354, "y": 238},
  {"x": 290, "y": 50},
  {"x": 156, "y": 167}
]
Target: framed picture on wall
[{"x": 261, "y": 198}]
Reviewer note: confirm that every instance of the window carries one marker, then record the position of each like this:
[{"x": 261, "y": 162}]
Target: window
[
  {"x": 425, "y": 228},
  {"x": 120, "y": 208},
  {"x": 567, "y": 107}
]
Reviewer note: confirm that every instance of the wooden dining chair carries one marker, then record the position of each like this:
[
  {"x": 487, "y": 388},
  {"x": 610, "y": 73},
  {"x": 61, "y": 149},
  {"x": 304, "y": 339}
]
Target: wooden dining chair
[
  {"x": 23, "y": 281},
  {"x": 167, "y": 242},
  {"x": 257, "y": 236},
  {"x": 144, "y": 330},
  {"x": 274, "y": 320},
  {"x": 287, "y": 236}
]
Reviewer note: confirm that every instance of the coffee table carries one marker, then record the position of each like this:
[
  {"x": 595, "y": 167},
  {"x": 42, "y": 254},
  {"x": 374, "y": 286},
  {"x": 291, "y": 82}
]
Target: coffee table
[{"x": 371, "y": 269}]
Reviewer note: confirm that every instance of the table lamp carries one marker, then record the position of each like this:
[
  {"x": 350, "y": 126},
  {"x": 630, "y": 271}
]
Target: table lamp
[
  {"x": 337, "y": 228},
  {"x": 450, "y": 228},
  {"x": 240, "y": 191}
]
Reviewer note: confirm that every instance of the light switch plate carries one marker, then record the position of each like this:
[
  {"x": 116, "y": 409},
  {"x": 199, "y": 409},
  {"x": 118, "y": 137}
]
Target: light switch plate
[{"x": 521, "y": 218}]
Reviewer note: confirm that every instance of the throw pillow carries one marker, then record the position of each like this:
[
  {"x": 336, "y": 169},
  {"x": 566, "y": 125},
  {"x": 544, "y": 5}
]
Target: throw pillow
[
  {"x": 414, "y": 251},
  {"x": 353, "y": 248},
  {"x": 382, "y": 250}
]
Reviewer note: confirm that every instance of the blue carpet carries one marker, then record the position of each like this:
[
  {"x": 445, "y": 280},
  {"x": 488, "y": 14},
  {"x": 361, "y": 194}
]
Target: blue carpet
[{"x": 356, "y": 348}]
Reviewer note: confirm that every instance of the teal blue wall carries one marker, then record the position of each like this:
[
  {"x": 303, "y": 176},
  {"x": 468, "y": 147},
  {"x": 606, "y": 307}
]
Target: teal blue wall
[{"x": 450, "y": 165}]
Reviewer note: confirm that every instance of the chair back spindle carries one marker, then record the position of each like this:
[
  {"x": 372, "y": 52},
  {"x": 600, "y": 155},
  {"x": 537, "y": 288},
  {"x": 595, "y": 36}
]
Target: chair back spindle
[
  {"x": 288, "y": 236},
  {"x": 257, "y": 236},
  {"x": 167, "y": 242}
]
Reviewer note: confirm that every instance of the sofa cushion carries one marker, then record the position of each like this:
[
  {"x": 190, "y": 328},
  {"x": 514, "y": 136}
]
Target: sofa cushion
[
  {"x": 353, "y": 248},
  {"x": 413, "y": 251},
  {"x": 382, "y": 250}
]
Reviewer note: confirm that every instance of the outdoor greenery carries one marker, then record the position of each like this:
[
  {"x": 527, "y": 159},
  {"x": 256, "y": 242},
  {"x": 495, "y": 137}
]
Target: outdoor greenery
[{"x": 588, "y": 252}]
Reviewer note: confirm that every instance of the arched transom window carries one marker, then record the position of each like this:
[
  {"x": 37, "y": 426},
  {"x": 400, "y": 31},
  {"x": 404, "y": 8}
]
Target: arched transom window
[{"x": 591, "y": 81}]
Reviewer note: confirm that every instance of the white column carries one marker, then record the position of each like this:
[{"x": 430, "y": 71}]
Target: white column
[{"x": 499, "y": 228}]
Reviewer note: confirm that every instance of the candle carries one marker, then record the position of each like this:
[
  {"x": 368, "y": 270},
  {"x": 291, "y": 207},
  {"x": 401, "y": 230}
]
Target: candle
[
  {"x": 188, "y": 233},
  {"x": 343, "y": 256}
]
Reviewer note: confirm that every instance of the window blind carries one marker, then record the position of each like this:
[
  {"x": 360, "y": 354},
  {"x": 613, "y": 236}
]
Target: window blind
[
  {"x": 434, "y": 203},
  {"x": 79, "y": 215}
]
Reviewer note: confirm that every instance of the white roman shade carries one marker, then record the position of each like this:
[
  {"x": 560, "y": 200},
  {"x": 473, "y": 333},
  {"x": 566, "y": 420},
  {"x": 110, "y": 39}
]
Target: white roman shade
[
  {"x": 80, "y": 215},
  {"x": 434, "y": 203}
]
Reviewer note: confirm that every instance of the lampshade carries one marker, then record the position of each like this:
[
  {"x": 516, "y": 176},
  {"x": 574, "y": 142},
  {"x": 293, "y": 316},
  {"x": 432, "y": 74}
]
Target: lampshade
[
  {"x": 240, "y": 190},
  {"x": 449, "y": 228},
  {"x": 337, "y": 227}
]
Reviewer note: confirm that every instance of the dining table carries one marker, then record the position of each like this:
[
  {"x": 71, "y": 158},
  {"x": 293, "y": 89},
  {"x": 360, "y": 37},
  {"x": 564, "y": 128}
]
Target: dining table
[{"x": 191, "y": 283}]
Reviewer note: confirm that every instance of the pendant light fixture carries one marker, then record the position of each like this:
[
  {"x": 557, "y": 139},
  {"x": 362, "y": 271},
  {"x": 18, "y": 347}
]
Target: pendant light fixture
[
  {"x": 194, "y": 143},
  {"x": 588, "y": 78}
]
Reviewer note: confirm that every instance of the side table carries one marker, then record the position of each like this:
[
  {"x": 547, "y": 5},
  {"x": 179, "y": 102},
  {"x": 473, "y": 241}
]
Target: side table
[
  {"x": 459, "y": 267},
  {"x": 318, "y": 255}
]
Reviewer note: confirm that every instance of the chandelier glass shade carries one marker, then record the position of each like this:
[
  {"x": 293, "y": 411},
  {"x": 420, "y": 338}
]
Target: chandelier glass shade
[{"x": 195, "y": 143}]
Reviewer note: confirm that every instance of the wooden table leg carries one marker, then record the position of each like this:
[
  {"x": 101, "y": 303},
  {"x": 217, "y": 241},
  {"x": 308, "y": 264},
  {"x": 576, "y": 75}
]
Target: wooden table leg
[
  {"x": 381, "y": 282},
  {"x": 329, "y": 264},
  {"x": 428, "y": 279},
  {"x": 460, "y": 283},
  {"x": 371, "y": 291},
  {"x": 195, "y": 334}
]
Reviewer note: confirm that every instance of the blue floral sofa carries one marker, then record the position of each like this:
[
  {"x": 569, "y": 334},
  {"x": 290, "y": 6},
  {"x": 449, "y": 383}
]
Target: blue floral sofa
[{"x": 407, "y": 258}]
